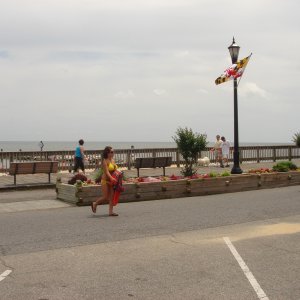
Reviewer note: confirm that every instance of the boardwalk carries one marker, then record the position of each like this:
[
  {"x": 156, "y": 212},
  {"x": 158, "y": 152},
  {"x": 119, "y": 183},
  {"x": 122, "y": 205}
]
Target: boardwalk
[{"x": 40, "y": 179}]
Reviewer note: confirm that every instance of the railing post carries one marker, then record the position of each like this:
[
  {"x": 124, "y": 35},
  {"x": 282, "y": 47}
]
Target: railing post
[
  {"x": 290, "y": 153},
  {"x": 241, "y": 156},
  {"x": 274, "y": 154},
  {"x": 129, "y": 160},
  {"x": 153, "y": 153},
  {"x": 2, "y": 166},
  {"x": 257, "y": 155},
  {"x": 178, "y": 158}
]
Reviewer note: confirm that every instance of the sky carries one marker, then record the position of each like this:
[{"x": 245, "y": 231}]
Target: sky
[{"x": 133, "y": 70}]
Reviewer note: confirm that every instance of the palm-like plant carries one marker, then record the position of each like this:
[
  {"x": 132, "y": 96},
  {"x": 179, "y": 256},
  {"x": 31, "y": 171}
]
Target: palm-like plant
[
  {"x": 189, "y": 144},
  {"x": 296, "y": 139}
]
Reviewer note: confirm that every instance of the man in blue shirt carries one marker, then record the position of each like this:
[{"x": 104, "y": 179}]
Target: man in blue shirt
[{"x": 79, "y": 157}]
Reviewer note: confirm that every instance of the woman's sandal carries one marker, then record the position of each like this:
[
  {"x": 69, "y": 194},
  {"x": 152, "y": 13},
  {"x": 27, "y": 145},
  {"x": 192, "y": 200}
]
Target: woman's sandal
[
  {"x": 113, "y": 215},
  {"x": 93, "y": 208}
]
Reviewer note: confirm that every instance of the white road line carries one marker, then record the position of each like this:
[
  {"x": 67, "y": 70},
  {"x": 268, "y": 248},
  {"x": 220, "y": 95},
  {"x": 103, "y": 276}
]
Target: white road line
[
  {"x": 259, "y": 291},
  {"x": 5, "y": 274}
]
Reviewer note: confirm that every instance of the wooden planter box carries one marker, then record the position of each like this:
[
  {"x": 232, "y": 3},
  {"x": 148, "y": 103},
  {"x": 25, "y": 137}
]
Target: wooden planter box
[{"x": 84, "y": 195}]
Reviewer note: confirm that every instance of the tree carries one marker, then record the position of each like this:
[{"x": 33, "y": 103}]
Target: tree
[
  {"x": 296, "y": 139},
  {"x": 189, "y": 144}
]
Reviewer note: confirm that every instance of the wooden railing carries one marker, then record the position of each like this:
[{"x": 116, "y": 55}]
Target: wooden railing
[{"x": 126, "y": 157}]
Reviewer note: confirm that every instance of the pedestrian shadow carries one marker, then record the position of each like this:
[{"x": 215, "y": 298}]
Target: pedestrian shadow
[{"x": 98, "y": 216}]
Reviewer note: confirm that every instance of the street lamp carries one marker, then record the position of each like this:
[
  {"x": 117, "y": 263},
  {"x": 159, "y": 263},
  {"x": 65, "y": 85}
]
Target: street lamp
[
  {"x": 234, "y": 50},
  {"x": 234, "y": 53}
]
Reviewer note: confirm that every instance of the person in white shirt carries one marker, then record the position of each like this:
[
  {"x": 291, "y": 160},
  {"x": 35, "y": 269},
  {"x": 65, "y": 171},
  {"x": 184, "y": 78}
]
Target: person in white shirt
[
  {"x": 225, "y": 146},
  {"x": 217, "y": 150}
]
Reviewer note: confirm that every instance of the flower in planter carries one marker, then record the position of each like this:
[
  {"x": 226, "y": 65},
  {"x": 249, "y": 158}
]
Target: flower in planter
[
  {"x": 129, "y": 180},
  {"x": 151, "y": 179},
  {"x": 195, "y": 176},
  {"x": 90, "y": 182},
  {"x": 76, "y": 177},
  {"x": 260, "y": 171},
  {"x": 174, "y": 177}
]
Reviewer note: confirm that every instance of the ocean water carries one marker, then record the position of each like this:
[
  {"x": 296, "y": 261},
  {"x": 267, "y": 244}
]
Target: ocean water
[
  {"x": 70, "y": 145},
  {"x": 97, "y": 145}
]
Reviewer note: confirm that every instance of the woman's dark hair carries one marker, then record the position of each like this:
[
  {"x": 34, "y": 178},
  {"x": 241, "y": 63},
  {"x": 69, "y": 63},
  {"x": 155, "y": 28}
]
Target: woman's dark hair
[
  {"x": 106, "y": 151},
  {"x": 81, "y": 142}
]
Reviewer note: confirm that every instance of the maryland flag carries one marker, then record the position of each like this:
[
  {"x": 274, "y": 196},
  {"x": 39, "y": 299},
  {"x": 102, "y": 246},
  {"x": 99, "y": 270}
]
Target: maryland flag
[{"x": 235, "y": 71}]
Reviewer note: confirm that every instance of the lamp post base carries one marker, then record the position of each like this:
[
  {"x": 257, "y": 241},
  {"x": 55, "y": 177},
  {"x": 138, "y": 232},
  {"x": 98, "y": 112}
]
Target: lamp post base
[{"x": 236, "y": 170}]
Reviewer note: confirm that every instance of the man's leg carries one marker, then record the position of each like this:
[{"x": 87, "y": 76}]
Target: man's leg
[
  {"x": 75, "y": 165},
  {"x": 221, "y": 160}
]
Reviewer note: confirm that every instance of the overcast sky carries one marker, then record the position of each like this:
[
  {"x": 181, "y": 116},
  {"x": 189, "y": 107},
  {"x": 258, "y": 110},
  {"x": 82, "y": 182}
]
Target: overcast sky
[{"x": 135, "y": 70}]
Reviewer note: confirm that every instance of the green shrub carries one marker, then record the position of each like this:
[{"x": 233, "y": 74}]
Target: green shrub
[
  {"x": 98, "y": 175},
  {"x": 280, "y": 168},
  {"x": 226, "y": 173},
  {"x": 296, "y": 139},
  {"x": 189, "y": 144},
  {"x": 289, "y": 165},
  {"x": 284, "y": 166},
  {"x": 213, "y": 174}
]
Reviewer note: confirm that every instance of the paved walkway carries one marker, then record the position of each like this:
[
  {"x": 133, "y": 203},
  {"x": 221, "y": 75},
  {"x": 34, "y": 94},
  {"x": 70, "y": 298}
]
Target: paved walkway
[
  {"x": 6, "y": 181},
  {"x": 29, "y": 200},
  {"x": 32, "y": 205},
  {"x": 170, "y": 249}
]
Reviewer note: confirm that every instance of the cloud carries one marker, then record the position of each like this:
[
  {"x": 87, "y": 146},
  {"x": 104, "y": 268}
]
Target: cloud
[
  {"x": 159, "y": 92},
  {"x": 3, "y": 54},
  {"x": 202, "y": 91},
  {"x": 125, "y": 94},
  {"x": 61, "y": 54},
  {"x": 92, "y": 55},
  {"x": 183, "y": 53},
  {"x": 77, "y": 55},
  {"x": 252, "y": 89}
]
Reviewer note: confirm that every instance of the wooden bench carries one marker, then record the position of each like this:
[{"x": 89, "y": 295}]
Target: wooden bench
[
  {"x": 37, "y": 167},
  {"x": 152, "y": 162}
]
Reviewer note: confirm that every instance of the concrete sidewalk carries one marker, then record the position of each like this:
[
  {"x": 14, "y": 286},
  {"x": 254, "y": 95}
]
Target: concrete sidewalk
[{"x": 41, "y": 180}]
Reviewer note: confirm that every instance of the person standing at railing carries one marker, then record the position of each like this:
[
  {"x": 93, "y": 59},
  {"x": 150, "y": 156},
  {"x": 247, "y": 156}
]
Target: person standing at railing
[
  {"x": 225, "y": 146},
  {"x": 79, "y": 157},
  {"x": 218, "y": 151}
]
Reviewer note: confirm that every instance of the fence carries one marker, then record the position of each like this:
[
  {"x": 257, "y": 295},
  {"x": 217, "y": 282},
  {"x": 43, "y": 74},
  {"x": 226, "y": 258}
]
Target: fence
[{"x": 126, "y": 157}]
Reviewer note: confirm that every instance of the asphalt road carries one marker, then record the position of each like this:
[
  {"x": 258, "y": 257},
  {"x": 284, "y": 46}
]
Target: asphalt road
[{"x": 167, "y": 249}]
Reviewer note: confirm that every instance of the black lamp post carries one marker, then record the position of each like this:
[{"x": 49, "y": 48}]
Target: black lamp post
[{"x": 234, "y": 53}]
